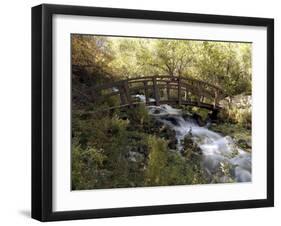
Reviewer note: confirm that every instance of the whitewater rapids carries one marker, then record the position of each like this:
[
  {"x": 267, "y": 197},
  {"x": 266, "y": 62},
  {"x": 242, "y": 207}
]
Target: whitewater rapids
[{"x": 217, "y": 151}]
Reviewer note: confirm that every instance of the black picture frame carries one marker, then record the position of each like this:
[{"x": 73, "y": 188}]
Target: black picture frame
[{"x": 42, "y": 111}]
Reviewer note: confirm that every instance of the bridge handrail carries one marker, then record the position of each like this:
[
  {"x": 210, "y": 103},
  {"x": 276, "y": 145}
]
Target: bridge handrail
[
  {"x": 203, "y": 92},
  {"x": 176, "y": 77},
  {"x": 149, "y": 78}
]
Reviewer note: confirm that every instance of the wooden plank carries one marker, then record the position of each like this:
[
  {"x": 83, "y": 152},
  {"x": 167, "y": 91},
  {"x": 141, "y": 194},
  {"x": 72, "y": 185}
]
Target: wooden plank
[
  {"x": 170, "y": 102},
  {"x": 190, "y": 103},
  {"x": 155, "y": 91}
]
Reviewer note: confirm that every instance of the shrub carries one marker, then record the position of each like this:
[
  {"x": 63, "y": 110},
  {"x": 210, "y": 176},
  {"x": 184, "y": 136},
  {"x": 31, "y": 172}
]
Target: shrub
[
  {"x": 166, "y": 167},
  {"x": 138, "y": 115},
  {"x": 157, "y": 161},
  {"x": 241, "y": 116},
  {"x": 86, "y": 166}
]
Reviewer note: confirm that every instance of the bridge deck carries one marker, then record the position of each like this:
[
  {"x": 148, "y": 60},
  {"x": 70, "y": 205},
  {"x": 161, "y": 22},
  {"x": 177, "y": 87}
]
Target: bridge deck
[{"x": 172, "y": 103}]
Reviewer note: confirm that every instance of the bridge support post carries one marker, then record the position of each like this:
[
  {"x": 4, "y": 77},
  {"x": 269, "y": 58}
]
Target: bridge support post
[
  {"x": 187, "y": 97},
  {"x": 198, "y": 101},
  {"x": 127, "y": 93},
  {"x": 122, "y": 96},
  {"x": 202, "y": 99},
  {"x": 168, "y": 90},
  {"x": 146, "y": 92},
  {"x": 155, "y": 91},
  {"x": 216, "y": 100},
  {"x": 179, "y": 91}
]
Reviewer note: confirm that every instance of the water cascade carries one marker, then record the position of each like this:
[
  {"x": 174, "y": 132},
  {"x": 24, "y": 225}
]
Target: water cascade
[{"x": 218, "y": 152}]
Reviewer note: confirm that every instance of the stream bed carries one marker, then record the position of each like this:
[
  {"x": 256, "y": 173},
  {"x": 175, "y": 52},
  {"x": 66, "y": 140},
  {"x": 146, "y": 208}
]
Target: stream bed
[{"x": 219, "y": 153}]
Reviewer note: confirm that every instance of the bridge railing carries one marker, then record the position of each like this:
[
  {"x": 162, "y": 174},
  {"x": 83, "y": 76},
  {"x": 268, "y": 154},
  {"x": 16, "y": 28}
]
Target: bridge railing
[{"x": 154, "y": 84}]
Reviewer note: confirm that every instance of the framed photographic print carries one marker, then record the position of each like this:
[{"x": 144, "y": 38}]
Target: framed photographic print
[{"x": 146, "y": 112}]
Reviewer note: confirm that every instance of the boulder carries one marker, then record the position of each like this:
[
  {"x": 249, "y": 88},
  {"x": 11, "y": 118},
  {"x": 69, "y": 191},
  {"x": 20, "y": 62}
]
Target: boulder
[{"x": 244, "y": 143}]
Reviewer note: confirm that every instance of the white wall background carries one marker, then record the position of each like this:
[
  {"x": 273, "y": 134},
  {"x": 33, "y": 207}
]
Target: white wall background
[{"x": 15, "y": 113}]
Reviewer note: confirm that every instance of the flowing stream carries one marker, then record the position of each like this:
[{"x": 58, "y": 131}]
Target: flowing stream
[{"x": 219, "y": 153}]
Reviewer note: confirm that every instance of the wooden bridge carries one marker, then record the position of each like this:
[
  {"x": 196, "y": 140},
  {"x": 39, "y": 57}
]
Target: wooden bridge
[{"x": 158, "y": 90}]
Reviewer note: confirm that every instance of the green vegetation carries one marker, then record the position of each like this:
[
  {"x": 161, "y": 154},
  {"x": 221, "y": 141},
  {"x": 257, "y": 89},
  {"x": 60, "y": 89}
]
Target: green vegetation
[
  {"x": 127, "y": 147},
  {"x": 166, "y": 167},
  {"x": 110, "y": 152},
  {"x": 242, "y": 117}
]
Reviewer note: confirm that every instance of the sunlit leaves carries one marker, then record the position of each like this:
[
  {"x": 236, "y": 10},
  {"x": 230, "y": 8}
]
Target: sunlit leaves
[{"x": 226, "y": 64}]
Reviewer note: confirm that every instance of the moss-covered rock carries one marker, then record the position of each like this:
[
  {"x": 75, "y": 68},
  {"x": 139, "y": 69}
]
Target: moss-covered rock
[{"x": 190, "y": 148}]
